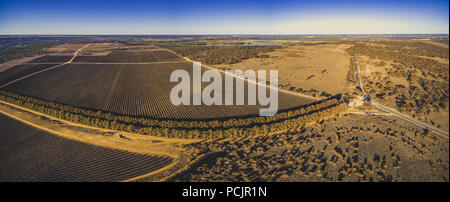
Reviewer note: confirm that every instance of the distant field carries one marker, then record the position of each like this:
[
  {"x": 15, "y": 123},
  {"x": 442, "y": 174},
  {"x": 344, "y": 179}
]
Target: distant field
[
  {"x": 52, "y": 58},
  {"x": 19, "y": 71},
  {"x": 131, "y": 89},
  {"x": 131, "y": 57},
  {"x": 28, "y": 154},
  {"x": 117, "y": 56}
]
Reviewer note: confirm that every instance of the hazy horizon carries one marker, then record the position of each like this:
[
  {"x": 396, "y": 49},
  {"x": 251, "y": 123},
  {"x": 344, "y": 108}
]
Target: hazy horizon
[
  {"x": 248, "y": 17},
  {"x": 206, "y": 34}
]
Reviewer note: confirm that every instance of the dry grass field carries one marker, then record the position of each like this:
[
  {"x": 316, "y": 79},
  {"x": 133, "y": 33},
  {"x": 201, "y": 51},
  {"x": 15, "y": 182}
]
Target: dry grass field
[
  {"x": 316, "y": 70},
  {"x": 29, "y": 154}
]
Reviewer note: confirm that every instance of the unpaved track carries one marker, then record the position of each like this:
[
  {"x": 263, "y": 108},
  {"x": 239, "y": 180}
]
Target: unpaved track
[
  {"x": 119, "y": 63},
  {"x": 419, "y": 123},
  {"x": 50, "y": 68}
]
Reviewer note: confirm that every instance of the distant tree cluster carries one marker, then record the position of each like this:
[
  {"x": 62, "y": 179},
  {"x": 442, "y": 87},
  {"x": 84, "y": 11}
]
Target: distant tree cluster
[
  {"x": 416, "y": 48},
  {"x": 428, "y": 79},
  {"x": 15, "y": 47},
  {"x": 18, "y": 47},
  {"x": 16, "y": 52},
  {"x": 214, "y": 129},
  {"x": 441, "y": 40},
  {"x": 408, "y": 57}
]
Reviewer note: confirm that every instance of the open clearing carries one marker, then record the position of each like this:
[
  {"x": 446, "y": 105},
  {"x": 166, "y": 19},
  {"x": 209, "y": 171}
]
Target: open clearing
[
  {"x": 29, "y": 154},
  {"x": 305, "y": 68}
]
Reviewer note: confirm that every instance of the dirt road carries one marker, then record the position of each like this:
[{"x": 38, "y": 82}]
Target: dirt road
[{"x": 50, "y": 68}]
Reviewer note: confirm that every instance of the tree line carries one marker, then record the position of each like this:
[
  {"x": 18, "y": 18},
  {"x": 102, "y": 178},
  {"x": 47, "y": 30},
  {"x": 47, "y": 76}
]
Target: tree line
[{"x": 214, "y": 129}]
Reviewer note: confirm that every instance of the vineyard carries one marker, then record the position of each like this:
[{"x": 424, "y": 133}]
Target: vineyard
[
  {"x": 136, "y": 98},
  {"x": 28, "y": 154},
  {"x": 52, "y": 59},
  {"x": 131, "y": 57},
  {"x": 141, "y": 90},
  {"x": 19, "y": 71},
  {"x": 216, "y": 55}
]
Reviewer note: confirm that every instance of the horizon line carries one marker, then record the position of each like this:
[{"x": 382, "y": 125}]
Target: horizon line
[{"x": 35, "y": 34}]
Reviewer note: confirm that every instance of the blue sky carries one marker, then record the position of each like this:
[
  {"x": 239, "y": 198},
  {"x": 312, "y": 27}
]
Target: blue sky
[{"x": 223, "y": 17}]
